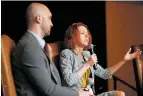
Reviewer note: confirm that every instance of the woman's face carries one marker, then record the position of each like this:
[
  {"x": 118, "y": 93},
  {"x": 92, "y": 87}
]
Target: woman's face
[{"x": 82, "y": 36}]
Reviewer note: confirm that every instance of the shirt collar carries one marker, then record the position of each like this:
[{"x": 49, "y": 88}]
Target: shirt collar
[{"x": 40, "y": 40}]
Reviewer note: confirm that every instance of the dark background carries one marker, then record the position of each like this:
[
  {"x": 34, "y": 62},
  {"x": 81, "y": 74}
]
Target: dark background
[{"x": 64, "y": 14}]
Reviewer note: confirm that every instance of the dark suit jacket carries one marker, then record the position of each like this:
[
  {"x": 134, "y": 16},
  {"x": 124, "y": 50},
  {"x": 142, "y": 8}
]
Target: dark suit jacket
[{"x": 34, "y": 75}]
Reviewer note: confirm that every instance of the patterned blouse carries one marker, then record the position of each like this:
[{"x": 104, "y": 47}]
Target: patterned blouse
[{"x": 70, "y": 63}]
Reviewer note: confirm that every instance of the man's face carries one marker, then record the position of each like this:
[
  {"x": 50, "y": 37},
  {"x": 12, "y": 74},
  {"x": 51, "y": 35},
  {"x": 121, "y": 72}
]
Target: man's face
[{"x": 47, "y": 23}]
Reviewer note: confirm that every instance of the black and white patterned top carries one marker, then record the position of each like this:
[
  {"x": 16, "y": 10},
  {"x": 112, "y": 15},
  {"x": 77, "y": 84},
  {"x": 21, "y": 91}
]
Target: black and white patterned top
[{"x": 70, "y": 63}]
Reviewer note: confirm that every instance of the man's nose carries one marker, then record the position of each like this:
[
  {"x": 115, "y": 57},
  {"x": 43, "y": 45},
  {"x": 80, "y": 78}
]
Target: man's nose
[{"x": 51, "y": 24}]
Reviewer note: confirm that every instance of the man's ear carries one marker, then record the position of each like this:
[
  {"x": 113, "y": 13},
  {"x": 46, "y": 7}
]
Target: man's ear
[{"x": 38, "y": 19}]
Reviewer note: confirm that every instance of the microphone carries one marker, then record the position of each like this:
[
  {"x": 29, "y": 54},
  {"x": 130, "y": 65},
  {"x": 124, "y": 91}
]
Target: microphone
[
  {"x": 88, "y": 87},
  {"x": 90, "y": 48}
]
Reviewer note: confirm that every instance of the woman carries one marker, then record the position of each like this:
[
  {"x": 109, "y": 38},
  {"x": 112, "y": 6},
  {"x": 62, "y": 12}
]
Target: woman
[{"x": 77, "y": 64}]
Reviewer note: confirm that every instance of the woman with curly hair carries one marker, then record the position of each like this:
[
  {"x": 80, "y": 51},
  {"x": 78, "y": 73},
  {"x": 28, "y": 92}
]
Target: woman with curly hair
[{"x": 76, "y": 63}]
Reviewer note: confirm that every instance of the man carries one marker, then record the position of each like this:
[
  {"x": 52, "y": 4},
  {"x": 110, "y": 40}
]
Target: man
[{"x": 34, "y": 75}]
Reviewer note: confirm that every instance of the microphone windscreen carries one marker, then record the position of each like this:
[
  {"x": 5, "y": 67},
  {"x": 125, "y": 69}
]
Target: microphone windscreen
[{"x": 90, "y": 46}]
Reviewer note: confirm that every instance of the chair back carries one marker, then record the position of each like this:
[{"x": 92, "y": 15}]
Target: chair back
[
  {"x": 8, "y": 86},
  {"x": 138, "y": 69}
]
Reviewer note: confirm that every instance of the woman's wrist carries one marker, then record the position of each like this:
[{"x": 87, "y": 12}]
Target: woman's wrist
[
  {"x": 124, "y": 61},
  {"x": 87, "y": 65}
]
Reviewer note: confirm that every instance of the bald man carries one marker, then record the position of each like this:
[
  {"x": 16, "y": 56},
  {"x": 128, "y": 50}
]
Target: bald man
[{"x": 34, "y": 75}]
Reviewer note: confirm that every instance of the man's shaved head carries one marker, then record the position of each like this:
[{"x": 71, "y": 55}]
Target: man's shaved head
[
  {"x": 38, "y": 18},
  {"x": 35, "y": 9}
]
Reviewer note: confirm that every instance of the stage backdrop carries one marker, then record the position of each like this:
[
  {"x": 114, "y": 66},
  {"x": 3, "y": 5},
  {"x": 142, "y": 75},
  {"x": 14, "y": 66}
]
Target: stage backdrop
[{"x": 124, "y": 27}]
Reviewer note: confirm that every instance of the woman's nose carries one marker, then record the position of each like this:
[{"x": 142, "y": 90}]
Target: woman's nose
[{"x": 86, "y": 35}]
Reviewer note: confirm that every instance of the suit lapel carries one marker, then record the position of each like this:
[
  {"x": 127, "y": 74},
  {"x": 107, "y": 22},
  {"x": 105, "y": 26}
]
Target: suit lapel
[
  {"x": 54, "y": 71},
  {"x": 52, "y": 68}
]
